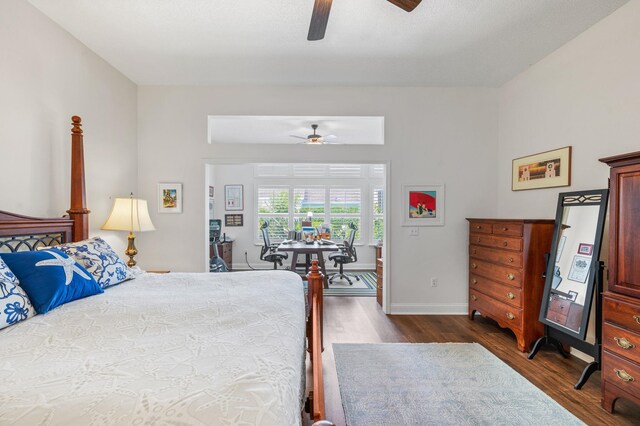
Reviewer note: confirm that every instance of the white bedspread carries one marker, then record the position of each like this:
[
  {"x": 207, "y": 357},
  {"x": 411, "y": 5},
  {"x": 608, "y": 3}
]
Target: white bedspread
[{"x": 216, "y": 349}]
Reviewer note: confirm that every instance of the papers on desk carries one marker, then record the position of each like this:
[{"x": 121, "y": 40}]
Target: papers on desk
[
  {"x": 287, "y": 241},
  {"x": 326, "y": 242}
]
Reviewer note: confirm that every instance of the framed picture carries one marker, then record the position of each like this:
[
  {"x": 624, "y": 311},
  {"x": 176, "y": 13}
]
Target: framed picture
[
  {"x": 423, "y": 205},
  {"x": 211, "y": 192},
  {"x": 586, "y": 249},
  {"x": 233, "y": 197},
  {"x": 233, "y": 219},
  {"x": 169, "y": 198},
  {"x": 572, "y": 295},
  {"x": 545, "y": 170},
  {"x": 579, "y": 268}
]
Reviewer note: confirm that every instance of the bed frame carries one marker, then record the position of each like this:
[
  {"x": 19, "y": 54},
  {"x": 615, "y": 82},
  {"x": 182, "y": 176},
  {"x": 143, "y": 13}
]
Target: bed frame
[{"x": 19, "y": 232}]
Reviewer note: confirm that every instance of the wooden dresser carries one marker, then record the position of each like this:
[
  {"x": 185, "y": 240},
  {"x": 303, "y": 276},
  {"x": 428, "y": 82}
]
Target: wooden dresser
[
  {"x": 621, "y": 305},
  {"x": 379, "y": 274},
  {"x": 506, "y": 263}
]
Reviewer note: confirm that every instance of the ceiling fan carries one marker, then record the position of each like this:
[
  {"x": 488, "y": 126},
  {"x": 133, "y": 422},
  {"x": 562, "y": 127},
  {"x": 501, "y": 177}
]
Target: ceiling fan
[
  {"x": 316, "y": 139},
  {"x": 321, "y": 9}
]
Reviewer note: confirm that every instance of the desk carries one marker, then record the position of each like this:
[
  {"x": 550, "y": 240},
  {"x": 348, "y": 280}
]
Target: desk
[{"x": 299, "y": 247}]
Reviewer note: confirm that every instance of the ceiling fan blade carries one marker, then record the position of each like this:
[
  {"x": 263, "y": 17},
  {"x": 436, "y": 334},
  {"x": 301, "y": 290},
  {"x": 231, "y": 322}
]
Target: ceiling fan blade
[
  {"x": 329, "y": 137},
  {"x": 299, "y": 137},
  {"x": 319, "y": 19},
  {"x": 407, "y": 5}
]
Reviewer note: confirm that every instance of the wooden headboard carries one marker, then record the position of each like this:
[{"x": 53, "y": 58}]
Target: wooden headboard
[{"x": 18, "y": 232}]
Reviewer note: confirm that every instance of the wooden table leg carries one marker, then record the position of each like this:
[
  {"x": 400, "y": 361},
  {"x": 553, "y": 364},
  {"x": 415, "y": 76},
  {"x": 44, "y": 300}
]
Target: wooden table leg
[{"x": 294, "y": 261}]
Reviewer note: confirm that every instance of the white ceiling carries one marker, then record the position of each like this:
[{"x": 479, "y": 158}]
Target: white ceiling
[
  {"x": 278, "y": 129},
  {"x": 368, "y": 42}
]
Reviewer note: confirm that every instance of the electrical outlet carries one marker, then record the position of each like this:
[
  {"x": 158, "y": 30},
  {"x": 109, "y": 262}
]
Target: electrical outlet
[
  {"x": 414, "y": 232},
  {"x": 434, "y": 282}
]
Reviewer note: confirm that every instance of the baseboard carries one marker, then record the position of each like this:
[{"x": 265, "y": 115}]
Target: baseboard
[{"x": 429, "y": 309}]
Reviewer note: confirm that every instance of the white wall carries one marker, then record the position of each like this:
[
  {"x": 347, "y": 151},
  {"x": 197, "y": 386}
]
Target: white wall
[
  {"x": 46, "y": 76},
  {"x": 432, "y": 135},
  {"x": 585, "y": 94}
]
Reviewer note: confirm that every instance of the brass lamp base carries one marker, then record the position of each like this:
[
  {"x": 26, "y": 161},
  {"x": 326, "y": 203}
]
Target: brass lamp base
[{"x": 131, "y": 250}]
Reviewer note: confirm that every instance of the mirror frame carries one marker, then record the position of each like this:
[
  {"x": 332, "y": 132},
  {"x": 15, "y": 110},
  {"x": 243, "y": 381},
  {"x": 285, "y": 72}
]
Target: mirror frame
[{"x": 595, "y": 197}]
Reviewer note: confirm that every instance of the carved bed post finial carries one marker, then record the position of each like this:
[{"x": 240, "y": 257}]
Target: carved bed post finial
[{"x": 78, "y": 211}]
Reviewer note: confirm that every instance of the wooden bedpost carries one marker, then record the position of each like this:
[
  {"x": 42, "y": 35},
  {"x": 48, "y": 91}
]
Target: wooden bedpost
[
  {"x": 315, "y": 286},
  {"x": 78, "y": 211}
]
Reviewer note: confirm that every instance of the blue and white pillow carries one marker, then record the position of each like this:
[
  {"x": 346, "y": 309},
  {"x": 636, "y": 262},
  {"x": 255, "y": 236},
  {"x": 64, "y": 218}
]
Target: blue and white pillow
[
  {"x": 15, "y": 305},
  {"x": 50, "y": 278},
  {"x": 97, "y": 256}
]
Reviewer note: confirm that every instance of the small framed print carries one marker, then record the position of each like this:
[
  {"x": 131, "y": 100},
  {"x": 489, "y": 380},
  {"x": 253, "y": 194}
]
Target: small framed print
[
  {"x": 544, "y": 170},
  {"x": 586, "y": 249},
  {"x": 211, "y": 192},
  {"x": 234, "y": 219},
  {"x": 169, "y": 198},
  {"x": 423, "y": 205},
  {"x": 572, "y": 295},
  {"x": 579, "y": 268},
  {"x": 233, "y": 197}
]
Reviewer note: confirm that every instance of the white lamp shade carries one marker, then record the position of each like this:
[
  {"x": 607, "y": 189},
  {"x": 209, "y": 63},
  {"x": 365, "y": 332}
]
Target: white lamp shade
[{"x": 129, "y": 214}]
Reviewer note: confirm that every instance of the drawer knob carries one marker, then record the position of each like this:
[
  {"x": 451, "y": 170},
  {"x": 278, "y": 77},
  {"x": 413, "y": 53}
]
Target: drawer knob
[
  {"x": 475, "y": 251},
  {"x": 506, "y": 243},
  {"x": 478, "y": 239},
  {"x": 511, "y": 260},
  {"x": 478, "y": 227},
  {"x": 510, "y": 315},
  {"x": 474, "y": 266},
  {"x": 505, "y": 228},
  {"x": 624, "y": 343},
  {"x": 623, "y": 375},
  {"x": 511, "y": 295},
  {"x": 511, "y": 277},
  {"x": 475, "y": 281},
  {"x": 637, "y": 318},
  {"x": 473, "y": 297}
]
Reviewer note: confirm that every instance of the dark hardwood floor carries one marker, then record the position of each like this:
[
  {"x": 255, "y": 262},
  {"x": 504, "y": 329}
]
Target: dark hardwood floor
[{"x": 360, "y": 320}]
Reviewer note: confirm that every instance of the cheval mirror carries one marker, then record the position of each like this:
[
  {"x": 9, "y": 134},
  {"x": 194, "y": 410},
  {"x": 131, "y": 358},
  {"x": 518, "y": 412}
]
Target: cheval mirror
[{"x": 574, "y": 275}]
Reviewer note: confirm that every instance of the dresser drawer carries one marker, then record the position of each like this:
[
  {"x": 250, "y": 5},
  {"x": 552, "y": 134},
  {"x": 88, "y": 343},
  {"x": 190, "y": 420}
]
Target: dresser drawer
[
  {"x": 506, "y": 243},
  {"x": 508, "y": 258},
  {"x": 479, "y": 228},
  {"x": 621, "y": 313},
  {"x": 508, "y": 229},
  {"x": 559, "y": 305},
  {"x": 621, "y": 373},
  {"x": 505, "y": 315},
  {"x": 498, "y": 273},
  {"x": 501, "y": 293},
  {"x": 621, "y": 342}
]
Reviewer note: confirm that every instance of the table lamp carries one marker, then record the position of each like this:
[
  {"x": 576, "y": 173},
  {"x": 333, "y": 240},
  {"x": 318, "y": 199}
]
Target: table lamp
[{"x": 129, "y": 214}]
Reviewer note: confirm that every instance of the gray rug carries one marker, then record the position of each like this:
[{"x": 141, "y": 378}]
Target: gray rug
[{"x": 438, "y": 384}]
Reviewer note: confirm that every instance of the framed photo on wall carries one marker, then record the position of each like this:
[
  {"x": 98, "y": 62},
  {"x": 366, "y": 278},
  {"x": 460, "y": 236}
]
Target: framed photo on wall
[
  {"x": 423, "y": 205},
  {"x": 169, "y": 198},
  {"x": 544, "y": 170},
  {"x": 233, "y": 197},
  {"x": 579, "y": 268}
]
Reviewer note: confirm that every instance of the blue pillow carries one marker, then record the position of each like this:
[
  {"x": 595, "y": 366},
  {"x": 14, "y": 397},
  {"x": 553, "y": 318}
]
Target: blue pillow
[
  {"x": 50, "y": 278},
  {"x": 15, "y": 305}
]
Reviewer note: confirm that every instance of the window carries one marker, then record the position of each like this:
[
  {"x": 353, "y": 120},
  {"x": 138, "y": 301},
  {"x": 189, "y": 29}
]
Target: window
[
  {"x": 305, "y": 201},
  {"x": 377, "y": 214},
  {"x": 273, "y": 207},
  {"x": 345, "y": 208}
]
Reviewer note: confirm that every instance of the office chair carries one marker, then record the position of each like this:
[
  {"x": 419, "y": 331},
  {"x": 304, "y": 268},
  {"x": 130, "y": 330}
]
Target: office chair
[
  {"x": 347, "y": 254},
  {"x": 268, "y": 252}
]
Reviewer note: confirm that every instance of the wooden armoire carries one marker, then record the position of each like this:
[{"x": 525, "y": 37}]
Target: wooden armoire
[{"x": 621, "y": 302}]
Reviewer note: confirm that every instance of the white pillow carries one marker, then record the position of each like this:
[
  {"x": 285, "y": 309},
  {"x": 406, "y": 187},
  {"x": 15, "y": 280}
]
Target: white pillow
[
  {"x": 97, "y": 257},
  {"x": 15, "y": 305}
]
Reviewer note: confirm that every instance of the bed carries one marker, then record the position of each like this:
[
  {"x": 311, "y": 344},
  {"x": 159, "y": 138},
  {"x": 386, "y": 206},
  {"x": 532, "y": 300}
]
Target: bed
[{"x": 179, "y": 348}]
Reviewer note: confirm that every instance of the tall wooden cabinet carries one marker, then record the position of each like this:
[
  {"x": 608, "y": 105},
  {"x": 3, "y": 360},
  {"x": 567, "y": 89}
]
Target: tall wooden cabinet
[
  {"x": 621, "y": 306},
  {"x": 506, "y": 263}
]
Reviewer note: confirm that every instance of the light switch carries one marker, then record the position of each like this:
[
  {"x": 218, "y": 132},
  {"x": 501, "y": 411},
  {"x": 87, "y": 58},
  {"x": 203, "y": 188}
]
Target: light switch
[{"x": 414, "y": 232}]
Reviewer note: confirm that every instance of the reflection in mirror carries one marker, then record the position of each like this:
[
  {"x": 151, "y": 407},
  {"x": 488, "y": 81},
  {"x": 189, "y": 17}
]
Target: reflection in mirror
[{"x": 576, "y": 248}]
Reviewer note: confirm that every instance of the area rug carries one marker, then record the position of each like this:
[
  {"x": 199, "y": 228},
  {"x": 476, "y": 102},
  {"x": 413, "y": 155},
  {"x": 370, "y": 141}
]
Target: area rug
[
  {"x": 366, "y": 286},
  {"x": 438, "y": 384}
]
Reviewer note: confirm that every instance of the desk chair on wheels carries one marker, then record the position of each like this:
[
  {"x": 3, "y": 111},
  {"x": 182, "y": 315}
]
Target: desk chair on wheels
[
  {"x": 268, "y": 252},
  {"x": 347, "y": 254}
]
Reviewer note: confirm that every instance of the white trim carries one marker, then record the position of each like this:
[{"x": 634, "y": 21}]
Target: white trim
[{"x": 429, "y": 309}]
